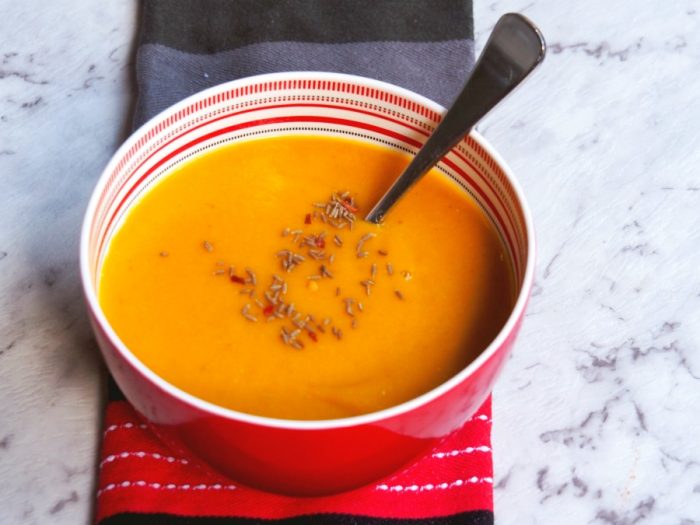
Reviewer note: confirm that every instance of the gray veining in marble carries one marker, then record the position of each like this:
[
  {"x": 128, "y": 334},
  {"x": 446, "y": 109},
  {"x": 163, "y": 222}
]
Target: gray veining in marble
[
  {"x": 597, "y": 414},
  {"x": 65, "y": 93}
]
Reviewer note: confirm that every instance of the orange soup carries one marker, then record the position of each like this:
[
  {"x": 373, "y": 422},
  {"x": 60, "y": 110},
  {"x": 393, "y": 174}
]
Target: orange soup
[{"x": 248, "y": 278}]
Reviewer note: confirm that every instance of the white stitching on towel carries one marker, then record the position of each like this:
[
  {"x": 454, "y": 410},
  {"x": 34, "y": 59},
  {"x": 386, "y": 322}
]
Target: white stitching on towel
[
  {"x": 112, "y": 428},
  {"x": 163, "y": 486},
  {"x": 154, "y": 455},
  {"x": 433, "y": 486},
  {"x": 458, "y": 452}
]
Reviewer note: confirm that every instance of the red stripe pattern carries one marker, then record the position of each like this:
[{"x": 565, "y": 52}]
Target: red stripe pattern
[
  {"x": 137, "y": 473},
  {"x": 294, "y": 106}
]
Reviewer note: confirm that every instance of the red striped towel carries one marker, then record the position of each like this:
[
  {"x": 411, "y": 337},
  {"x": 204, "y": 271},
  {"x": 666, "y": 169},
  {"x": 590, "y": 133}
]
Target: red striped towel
[{"x": 141, "y": 482}]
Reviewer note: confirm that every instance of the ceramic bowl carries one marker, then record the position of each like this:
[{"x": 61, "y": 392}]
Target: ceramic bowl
[{"x": 302, "y": 457}]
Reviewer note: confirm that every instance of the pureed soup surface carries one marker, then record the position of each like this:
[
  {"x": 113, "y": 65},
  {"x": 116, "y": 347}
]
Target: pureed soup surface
[{"x": 396, "y": 309}]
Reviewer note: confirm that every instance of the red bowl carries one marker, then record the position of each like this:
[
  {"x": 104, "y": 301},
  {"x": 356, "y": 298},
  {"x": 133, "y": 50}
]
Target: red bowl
[{"x": 302, "y": 457}]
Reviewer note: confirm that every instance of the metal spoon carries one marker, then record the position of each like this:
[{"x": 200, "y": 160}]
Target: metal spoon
[{"x": 513, "y": 50}]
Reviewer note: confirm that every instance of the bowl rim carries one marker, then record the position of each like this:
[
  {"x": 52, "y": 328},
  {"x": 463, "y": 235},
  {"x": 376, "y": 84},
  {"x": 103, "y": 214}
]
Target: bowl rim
[{"x": 506, "y": 330}]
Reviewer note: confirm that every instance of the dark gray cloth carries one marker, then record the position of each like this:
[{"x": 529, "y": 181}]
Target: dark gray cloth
[{"x": 189, "y": 45}]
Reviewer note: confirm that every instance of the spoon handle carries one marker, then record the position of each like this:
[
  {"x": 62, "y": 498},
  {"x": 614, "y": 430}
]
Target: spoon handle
[{"x": 513, "y": 50}]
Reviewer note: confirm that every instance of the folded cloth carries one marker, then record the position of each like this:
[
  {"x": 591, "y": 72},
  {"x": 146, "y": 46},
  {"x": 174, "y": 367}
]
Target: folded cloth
[
  {"x": 185, "y": 46},
  {"x": 141, "y": 482},
  {"x": 189, "y": 45}
]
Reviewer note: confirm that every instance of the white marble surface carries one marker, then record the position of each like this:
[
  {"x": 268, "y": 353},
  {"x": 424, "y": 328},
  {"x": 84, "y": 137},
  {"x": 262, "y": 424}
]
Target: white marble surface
[{"x": 597, "y": 414}]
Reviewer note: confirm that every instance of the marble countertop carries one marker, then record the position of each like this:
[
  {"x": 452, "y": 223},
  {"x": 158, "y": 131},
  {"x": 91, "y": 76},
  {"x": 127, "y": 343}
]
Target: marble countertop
[{"x": 597, "y": 414}]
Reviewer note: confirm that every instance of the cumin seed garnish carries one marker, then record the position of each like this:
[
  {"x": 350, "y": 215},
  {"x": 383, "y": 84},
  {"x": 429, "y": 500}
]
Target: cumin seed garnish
[
  {"x": 325, "y": 272},
  {"x": 245, "y": 312},
  {"x": 295, "y": 235},
  {"x": 319, "y": 255},
  {"x": 361, "y": 243},
  {"x": 368, "y": 283},
  {"x": 252, "y": 278},
  {"x": 284, "y": 335},
  {"x": 163, "y": 253},
  {"x": 289, "y": 260},
  {"x": 348, "y": 306},
  {"x": 339, "y": 210}
]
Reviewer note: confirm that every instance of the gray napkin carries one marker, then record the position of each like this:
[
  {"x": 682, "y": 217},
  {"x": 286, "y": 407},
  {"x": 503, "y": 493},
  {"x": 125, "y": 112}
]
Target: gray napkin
[{"x": 188, "y": 45}]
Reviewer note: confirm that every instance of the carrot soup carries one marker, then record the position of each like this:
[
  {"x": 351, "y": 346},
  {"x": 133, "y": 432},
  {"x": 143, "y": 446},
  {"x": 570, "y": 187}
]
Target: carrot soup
[{"x": 248, "y": 278}]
